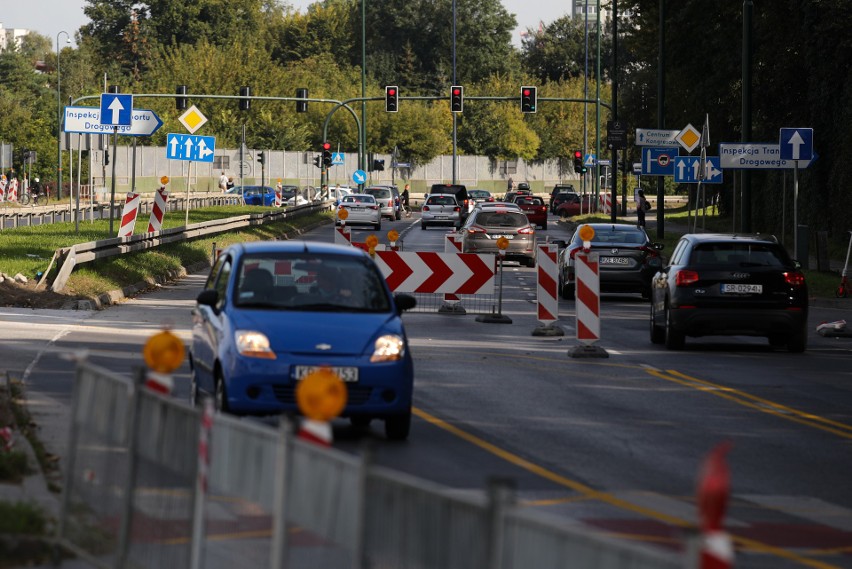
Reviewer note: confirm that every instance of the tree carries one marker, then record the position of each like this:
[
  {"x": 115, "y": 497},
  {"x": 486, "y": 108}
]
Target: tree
[{"x": 558, "y": 51}]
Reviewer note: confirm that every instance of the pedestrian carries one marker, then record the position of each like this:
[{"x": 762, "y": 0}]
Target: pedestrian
[
  {"x": 223, "y": 182},
  {"x": 229, "y": 183},
  {"x": 405, "y": 196},
  {"x": 642, "y": 205},
  {"x": 511, "y": 184}
]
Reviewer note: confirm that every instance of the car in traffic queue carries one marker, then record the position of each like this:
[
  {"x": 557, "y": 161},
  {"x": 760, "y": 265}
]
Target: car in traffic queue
[
  {"x": 486, "y": 225},
  {"x": 459, "y": 191},
  {"x": 575, "y": 205},
  {"x": 510, "y": 196},
  {"x": 388, "y": 199},
  {"x": 480, "y": 196},
  {"x": 730, "y": 284},
  {"x": 254, "y": 195},
  {"x": 361, "y": 209},
  {"x": 559, "y": 189},
  {"x": 534, "y": 208},
  {"x": 627, "y": 259},
  {"x": 440, "y": 209},
  {"x": 274, "y": 312}
]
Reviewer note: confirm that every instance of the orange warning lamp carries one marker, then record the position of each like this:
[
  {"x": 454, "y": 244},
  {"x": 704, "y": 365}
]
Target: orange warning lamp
[
  {"x": 321, "y": 395},
  {"x": 393, "y": 235},
  {"x": 502, "y": 244},
  {"x": 163, "y": 352},
  {"x": 164, "y": 180},
  {"x": 342, "y": 213}
]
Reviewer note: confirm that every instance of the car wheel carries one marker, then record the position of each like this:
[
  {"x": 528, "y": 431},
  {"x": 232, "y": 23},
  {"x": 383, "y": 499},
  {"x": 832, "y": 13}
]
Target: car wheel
[
  {"x": 422, "y": 225},
  {"x": 544, "y": 227},
  {"x": 658, "y": 333},
  {"x": 360, "y": 421},
  {"x": 398, "y": 427},
  {"x": 194, "y": 398},
  {"x": 798, "y": 342},
  {"x": 220, "y": 400},
  {"x": 674, "y": 339},
  {"x": 567, "y": 292}
]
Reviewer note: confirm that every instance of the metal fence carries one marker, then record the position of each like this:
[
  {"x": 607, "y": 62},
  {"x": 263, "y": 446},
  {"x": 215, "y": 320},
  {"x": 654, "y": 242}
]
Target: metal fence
[{"x": 134, "y": 498}]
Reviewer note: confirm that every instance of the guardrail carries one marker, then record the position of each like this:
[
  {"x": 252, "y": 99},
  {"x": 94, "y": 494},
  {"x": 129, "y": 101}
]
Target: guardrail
[
  {"x": 139, "y": 492},
  {"x": 70, "y": 257}
]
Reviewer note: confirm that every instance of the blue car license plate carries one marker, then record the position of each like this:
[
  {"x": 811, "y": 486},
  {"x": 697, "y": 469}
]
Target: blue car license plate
[{"x": 348, "y": 374}]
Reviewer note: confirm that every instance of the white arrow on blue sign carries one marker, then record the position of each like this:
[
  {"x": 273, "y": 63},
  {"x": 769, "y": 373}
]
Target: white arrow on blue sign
[
  {"x": 337, "y": 158},
  {"x": 87, "y": 120},
  {"x": 359, "y": 176},
  {"x": 796, "y": 143},
  {"x": 688, "y": 168},
  {"x": 189, "y": 147},
  {"x": 116, "y": 109}
]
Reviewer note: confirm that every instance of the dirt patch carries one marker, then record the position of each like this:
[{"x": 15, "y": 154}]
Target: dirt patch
[{"x": 28, "y": 296}]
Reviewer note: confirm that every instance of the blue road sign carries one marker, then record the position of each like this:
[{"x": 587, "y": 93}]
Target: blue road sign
[
  {"x": 658, "y": 161},
  {"x": 796, "y": 143},
  {"x": 688, "y": 168},
  {"x": 189, "y": 147},
  {"x": 337, "y": 158},
  {"x": 359, "y": 176},
  {"x": 116, "y": 109}
]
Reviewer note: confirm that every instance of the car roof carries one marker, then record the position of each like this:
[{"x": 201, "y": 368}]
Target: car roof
[
  {"x": 365, "y": 196},
  {"x": 295, "y": 246},
  {"x": 497, "y": 205},
  {"x": 441, "y": 196},
  {"x": 748, "y": 237}
]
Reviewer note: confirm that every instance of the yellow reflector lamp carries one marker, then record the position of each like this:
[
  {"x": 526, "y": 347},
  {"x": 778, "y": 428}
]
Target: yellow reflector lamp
[
  {"x": 163, "y": 352},
  {"x": 321, "y": 395}
]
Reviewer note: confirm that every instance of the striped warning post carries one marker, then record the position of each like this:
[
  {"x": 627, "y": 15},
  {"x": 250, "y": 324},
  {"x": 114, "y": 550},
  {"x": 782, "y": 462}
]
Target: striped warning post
[
  {"x": 155, "y": 222},
  {"x": 605, "y": 203},
  {"x": 548, "y": 303},
  {"x": 278, "y": 198},
  {"x": 452, "y": 302},
  {"x": 128, "y": 215},
  {"x": 342, "y": 235},
  {"x": 12, "y": 190},
  {"x": 588, "y": 301},
  {"x": 3, "y": 184},
  {"x": 204, "y": 443}
]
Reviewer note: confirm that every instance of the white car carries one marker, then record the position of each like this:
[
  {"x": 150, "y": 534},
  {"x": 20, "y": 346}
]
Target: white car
[
  {"x": 361, "y": 209},
  {"x": 296, "y": 200}
]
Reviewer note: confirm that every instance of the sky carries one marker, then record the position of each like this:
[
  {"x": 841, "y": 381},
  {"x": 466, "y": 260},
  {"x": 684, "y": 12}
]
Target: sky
[{"x": 49, "y": 17}]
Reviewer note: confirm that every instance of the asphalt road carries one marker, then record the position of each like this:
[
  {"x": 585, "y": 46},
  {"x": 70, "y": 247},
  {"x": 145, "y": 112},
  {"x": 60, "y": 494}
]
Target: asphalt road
[{"x": 612, "y": 443}]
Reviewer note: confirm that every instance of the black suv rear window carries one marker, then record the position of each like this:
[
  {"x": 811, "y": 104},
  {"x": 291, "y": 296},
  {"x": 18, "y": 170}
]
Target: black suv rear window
[{"x": 739, "y": 254}]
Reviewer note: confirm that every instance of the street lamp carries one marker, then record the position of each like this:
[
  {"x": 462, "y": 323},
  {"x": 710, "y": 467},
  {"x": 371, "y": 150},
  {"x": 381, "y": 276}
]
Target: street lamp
[{"x": 59, "y": 117}]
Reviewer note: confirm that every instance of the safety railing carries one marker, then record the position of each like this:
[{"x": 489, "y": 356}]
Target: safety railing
[{"x": 134, "y": 497}]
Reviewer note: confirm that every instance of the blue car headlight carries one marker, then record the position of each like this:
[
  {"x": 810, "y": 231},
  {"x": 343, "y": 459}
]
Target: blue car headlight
[
  {"x": 389, "y": 348},
  {"x": 253, "y": 344}
]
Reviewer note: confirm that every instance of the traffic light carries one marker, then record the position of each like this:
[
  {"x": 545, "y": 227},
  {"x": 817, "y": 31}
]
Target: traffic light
[
  {"x": 528, "y": 99},
  {"x": 261, "y": 157},
  {"x": 180, "y": 102},
  {"x": 301, "y": 107},
  {"x": 245, "y": 104},
  {"x": 326, "y": 153},
  {"x": 379, "y": 165},
  {"x": 392, "y": 98},
  {"x": 456, "y": 98},
  {"x": 579, "y": 168},
  {"x": 318, "y": 161}
]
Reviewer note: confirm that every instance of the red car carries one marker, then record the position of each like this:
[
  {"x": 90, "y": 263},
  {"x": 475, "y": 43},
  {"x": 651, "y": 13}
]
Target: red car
[
  {"x": 576, "y": 205},
  {"x": 535, "y": 209}
]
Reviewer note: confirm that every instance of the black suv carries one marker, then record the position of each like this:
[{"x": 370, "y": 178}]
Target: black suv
[
  {"x": 559, "y": 189},
  {"x": 732, "y": 285},
  {"x": 458, "y": 190}
]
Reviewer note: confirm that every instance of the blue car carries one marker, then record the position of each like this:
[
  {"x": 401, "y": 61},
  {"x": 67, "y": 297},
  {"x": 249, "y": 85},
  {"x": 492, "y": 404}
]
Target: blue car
[
  {"x": 273, "y": 312},
  {"x": 255, "y": 195}
]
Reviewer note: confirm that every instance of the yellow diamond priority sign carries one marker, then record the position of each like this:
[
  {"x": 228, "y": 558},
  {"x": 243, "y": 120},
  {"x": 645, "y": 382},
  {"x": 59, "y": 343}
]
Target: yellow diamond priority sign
[
  {"x": 689, "y": 138},
  {"x": 192, "y": 119}
]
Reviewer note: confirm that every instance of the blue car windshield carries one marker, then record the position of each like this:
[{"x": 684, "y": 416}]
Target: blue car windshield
[{"x": 310, "y": 282}]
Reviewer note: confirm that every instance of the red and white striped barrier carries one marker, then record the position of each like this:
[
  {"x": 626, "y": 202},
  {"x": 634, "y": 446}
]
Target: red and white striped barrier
[
  {"x": 128, "y": 215},
  {"x": 155, "y": 222},
  {"x": 3, "y": 184},
  {"x": 714, "y": 490},
  {"x": 161, "y": 383},
  {"x": 317, "y": 432},
  {"x": 605, "y": 203},
  {"x": 278, "y": 200},
  {"x": 12, "y": 190},
  {"x": 546, "y": 289},
  {"x": 588, "y": 302},
  {"x": 427, "y": 272},
  {"x": 342, "y": 235}
]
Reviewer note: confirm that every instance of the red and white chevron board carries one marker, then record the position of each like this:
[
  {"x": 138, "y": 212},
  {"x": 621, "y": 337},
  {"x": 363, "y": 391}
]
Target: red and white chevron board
[
  {"x": 428, "y": 272},
  {"x": 12, "y": 190},
  {"x": 452, "y": 244},
  {"x": 605, "y": 203},
  {"x": 155, "y": 222},
  {"x": 548, "y": 303},
  {"x": 3, "y": 184},
  {"x": 128, "y": 215},
  {"x": 588, "y": 297}
]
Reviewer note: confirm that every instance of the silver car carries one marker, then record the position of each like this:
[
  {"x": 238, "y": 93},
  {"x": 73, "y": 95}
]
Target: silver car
[
  {"x": 440, "y": 209},
  {"x": 485, "y": 225},
  {"x": 388, "y": 199},
  {"x": 361, "y": 209}
]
